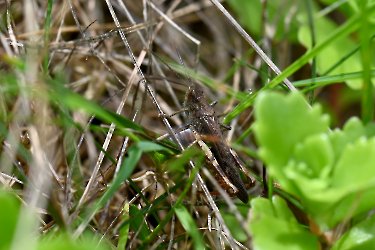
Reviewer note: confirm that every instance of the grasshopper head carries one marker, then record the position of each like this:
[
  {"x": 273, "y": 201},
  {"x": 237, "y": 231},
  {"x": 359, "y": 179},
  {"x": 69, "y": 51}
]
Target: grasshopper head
[
  {"x": 194, "y": 94},
  {"x": 196, "y": 104}
]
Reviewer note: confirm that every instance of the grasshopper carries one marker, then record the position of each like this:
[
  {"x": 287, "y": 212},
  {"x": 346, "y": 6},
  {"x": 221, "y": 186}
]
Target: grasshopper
[{"x": 221, "y": 158}]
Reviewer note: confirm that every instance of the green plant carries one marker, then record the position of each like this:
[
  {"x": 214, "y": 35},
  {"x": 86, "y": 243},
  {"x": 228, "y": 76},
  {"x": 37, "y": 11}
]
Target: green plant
[
  {"x": 110, "y": 181},
  {"x": 330, "y": 172},
  {"x": 13, "y": 238}
]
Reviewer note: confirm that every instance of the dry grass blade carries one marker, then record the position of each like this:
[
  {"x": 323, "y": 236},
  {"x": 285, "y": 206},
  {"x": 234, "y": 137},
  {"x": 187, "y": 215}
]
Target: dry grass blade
[
  {"x": 252, "y": 43},
  {"x": 83, "y": 132}
]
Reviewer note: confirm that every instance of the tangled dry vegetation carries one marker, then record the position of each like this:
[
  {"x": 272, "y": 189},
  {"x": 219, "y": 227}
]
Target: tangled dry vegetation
[{"x": 64, "y": 163}]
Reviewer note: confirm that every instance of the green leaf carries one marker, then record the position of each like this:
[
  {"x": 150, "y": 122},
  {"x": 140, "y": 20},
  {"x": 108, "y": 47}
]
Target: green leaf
[
  {"x": 63, "y": 242},
  {"x": 282, "y": 122},
  {"x": 331, "y": 173},
  {"x": 361, "y": 157},
  {"x": 334, "y": 51},
  {"x": 138, "y": 222},
  {"x": 367, "y": 104},
  {"x": 315, "y": 155},
  {"x": 188, "y": 223},
  {"x": 233, "y": 226},
  {"x": 347, "y": 7},
  {"x": 9, "y": 210},
  {"x": 353, "y": 204},
  {"x": 75, "y": 101},
  {"x": 328, "y": 205},
  {"x": 158, "y": 158},
  {"x": 249, "y": 14},
  {"x": 348, "y": 27},
  {"x": 172, "y": 211},
  {"x": 147, "y": 146},
  {"x": 273, "y": 226},
  {"x": 352, "y": 131},
  {"x": 124, "y": 231},
  {"x": 361, "y": 236},
  {"x": 127, "y": 167},
  {"x": 178, "y": 163}
]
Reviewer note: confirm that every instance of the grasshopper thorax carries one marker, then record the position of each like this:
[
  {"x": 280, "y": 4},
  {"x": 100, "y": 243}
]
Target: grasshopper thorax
[{"x": 195, "y": 103}]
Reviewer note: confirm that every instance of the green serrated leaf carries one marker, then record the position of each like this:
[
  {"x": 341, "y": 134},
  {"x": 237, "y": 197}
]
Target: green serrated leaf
[
  {"x": 352, "y": 205},
  {"x": 262, "y": 207},
  {"x": 359, "y": 237},
  {"x": 332, "y": 197},
  {"x": 331, "y": 173},
  {"x": 283, "y": 212},
  {"x": 355, "y": 169},
  {"x": 282, "y": 122},
  {"x": 309, "y": 168},
  {"x": 352, "y": 131},
  {"x": 316, "y": 154},
  {"x": 274, "y": 227}
]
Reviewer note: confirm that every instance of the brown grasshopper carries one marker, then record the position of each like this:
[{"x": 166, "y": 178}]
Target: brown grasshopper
[{"x": 221, "y": 158}]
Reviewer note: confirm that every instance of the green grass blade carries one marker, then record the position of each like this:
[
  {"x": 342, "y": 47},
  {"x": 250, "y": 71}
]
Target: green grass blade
[
  {"x": 172, "y": 211},
  {"x": 366, "y": 53},
  {"x": 75, "y": 101},
  {"x": 138, "y": 223},
  {"x": 190, "y": 226},
  {"x": 344, "y": 58},
  {"x": 309, "y": 8},
  {"x": 127, "y": 167},
  {"x": 326, "y": 80},
  {"x": 213, "y": 84},
  {"x": 241, "y": 62},
  {"x": 235, "y": 66},
  {"x": 158, "y": 200},
  {"x": 124, "y": 231},
  {"x": 47, "y": 35},
  {"x": 348, "y": 27}
]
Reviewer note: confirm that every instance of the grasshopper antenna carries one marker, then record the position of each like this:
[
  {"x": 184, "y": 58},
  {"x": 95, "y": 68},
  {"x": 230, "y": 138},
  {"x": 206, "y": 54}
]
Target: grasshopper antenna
[
  {"x": 183, "y": 65},
  {"x": 169, "y": 67}
]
